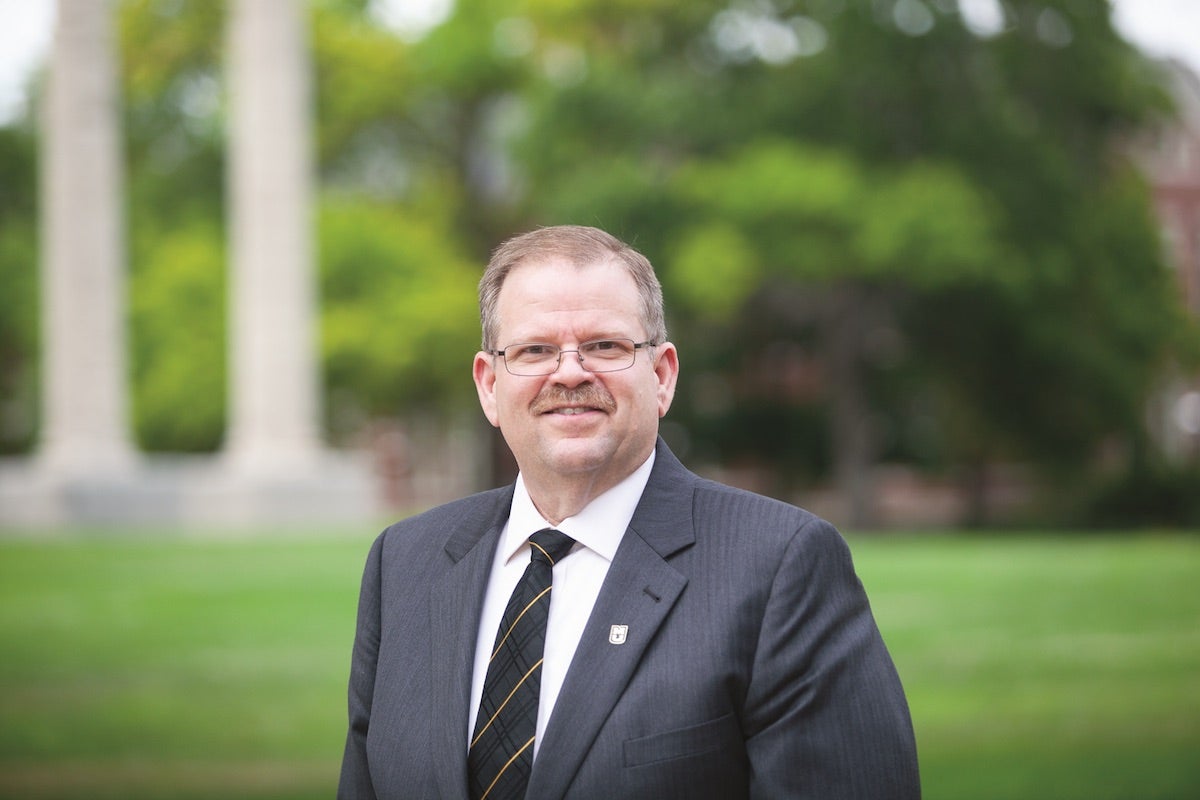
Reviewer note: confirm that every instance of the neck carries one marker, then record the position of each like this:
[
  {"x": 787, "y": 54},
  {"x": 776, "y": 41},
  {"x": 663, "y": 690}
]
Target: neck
[
  {"x": 558, "y": 493},
  {"x": 560, "y": 499}
]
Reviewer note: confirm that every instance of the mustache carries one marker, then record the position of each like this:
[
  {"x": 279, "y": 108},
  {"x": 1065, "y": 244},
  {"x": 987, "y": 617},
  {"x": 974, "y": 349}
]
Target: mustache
[{"x": 587, "y": 394}]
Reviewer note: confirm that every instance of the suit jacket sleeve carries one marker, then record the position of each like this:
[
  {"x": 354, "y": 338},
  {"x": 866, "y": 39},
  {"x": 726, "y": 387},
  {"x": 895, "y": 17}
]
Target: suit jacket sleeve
[
  {"x": 825, "y": 714},
  {"x": 355, "y": 781}
]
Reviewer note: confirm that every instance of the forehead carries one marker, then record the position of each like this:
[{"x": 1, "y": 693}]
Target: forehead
[{"x": 549, "y": 295}]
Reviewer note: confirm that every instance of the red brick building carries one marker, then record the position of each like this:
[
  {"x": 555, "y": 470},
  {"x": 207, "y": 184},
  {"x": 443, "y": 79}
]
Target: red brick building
[{"x": 1170, "y": 157}]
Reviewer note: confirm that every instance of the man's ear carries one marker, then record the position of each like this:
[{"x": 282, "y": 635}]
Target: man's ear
[
  {"x": 484, "y": 372},
  {"x": 666, "y": 368}
]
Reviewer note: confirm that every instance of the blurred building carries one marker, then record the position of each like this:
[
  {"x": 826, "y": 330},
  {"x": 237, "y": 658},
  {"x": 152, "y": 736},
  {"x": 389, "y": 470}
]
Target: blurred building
[{"x": 1169, "y": 155}]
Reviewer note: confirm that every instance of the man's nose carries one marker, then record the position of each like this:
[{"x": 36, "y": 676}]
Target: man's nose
[{"x": 571, "y": 367}]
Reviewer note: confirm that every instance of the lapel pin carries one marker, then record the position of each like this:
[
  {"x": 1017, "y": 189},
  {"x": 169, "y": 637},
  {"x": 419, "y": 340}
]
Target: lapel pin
[{"x": 617, "y": 634}]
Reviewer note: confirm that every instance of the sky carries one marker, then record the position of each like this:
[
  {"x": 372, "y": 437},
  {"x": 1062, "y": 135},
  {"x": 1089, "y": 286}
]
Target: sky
[{"x": 1159, "y": 27}]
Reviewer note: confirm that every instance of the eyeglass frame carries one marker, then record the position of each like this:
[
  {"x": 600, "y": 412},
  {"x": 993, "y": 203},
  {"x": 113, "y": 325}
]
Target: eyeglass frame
[{"x": 577, "y": 351}]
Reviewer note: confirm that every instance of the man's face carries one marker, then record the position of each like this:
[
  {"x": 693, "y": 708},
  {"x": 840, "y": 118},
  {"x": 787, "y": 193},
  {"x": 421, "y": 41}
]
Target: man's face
[{"x": 574, "y": 423}]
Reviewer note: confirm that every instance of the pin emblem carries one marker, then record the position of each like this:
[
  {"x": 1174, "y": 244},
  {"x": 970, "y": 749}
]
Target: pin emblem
[{"x": 617, "y": 634}]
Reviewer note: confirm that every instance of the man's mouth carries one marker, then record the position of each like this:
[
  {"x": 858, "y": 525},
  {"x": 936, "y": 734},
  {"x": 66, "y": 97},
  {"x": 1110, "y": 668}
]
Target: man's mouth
[{"x": 571, "y": 411}]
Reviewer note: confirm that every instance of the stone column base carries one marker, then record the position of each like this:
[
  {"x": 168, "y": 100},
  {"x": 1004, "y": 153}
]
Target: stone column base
[{"x": 192, "y": 492}]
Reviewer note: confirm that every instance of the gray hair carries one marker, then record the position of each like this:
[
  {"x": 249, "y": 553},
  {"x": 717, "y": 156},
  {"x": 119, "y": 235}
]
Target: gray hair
[{"x": 581, "y": 246}]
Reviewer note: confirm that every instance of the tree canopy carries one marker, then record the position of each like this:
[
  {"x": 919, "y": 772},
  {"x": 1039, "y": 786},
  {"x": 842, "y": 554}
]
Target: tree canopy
[
  {"x": 882, "y": 235},
  {"x": 940, "y": 225}
]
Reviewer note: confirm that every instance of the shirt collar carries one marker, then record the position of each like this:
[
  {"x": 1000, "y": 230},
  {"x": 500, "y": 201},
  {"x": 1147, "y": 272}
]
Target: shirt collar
[{"x": 599, "y": 527}]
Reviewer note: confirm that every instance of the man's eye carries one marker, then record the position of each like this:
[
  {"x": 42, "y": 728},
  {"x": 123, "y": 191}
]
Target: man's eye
[
  {"x": 533, "y": 351},
  {"x": 606, "y": 347}
]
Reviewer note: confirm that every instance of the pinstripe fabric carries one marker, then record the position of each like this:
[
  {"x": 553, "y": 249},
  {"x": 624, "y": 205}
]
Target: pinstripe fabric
[{"x": 501, "y": 753}]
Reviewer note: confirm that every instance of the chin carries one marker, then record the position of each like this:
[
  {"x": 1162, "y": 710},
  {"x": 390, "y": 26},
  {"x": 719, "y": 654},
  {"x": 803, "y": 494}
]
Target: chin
[{"x": 571, "y": 456}]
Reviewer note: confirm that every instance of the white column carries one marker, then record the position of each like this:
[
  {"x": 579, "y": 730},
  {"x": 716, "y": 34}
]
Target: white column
[
  {"x": 274, "y": 405},
  {"x": 85, "y": 426}
]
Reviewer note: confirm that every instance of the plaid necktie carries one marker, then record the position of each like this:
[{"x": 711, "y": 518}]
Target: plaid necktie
[{"x": 501, "y": 754}]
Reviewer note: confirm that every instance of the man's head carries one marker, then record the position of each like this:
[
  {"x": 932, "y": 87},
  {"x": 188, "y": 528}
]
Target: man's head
[
  {"x": 588, "y": 415},
  {"x": 577, "y": 245}
]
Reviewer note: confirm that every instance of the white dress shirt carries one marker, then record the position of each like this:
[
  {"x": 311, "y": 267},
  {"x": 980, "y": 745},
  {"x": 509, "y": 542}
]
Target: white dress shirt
[{"x": 597, "y": 531}]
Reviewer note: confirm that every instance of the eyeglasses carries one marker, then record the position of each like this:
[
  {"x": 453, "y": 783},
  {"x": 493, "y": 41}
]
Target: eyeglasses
[{"x": 534, "y": 359}]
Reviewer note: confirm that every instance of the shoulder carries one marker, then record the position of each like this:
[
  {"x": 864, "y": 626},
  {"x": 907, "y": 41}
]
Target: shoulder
[
  {"x": 729, "y": 508},
  {"x": 681, "y": 501},
  {"x": 467, "y": 517},
  {"x": 454, "y": 512},
  {"x": 781, "y": 538},
  {"x": 724, "y": 500}
]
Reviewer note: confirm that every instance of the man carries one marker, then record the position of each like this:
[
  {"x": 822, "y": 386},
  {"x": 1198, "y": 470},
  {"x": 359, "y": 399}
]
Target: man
[{"x": 700, "y": 641}]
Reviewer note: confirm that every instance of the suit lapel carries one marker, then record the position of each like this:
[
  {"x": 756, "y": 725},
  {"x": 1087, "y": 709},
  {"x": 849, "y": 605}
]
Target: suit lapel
[
  {"x": 639, "y": 592},
  {"x": 454, "y": 604}
]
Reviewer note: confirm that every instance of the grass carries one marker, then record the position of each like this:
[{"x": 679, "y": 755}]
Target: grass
[
  {"x": 174, "y": 667},
  {"x": 170, "y": 667},
  {"x": 1056, "y": 667}
]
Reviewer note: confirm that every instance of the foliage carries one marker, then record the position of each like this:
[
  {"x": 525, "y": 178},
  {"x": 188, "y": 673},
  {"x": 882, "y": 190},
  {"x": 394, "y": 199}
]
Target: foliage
[
  {"x": 178, "y": 331},
  {"x": 174, "y": 134},
  {"x": 882, "y": 236},
  {"x": 928, "y": 217},
  {"x": 1158, "y": 494},
  {"x": 400, "y": 316},
  {"x": 821, "y": 216},
  {"x": 1071, "y": 358},
  {"x": 19, "y": 299},
  {"x": 416, "y": 122},
  {"x": 174, "y": 121}
]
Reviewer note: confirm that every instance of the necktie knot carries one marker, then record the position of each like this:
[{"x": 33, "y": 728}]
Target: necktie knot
[{"x": 549, "y": 545}]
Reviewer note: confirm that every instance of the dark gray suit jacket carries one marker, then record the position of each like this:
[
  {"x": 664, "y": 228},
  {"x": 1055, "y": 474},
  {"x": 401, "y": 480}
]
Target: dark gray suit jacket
[{"x": 752, "y": 666}]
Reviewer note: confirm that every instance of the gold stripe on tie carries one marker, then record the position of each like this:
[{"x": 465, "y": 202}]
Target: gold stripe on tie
[
  {"x": 491, "y": 786},
  {"x": 513, "y": 627},
  {"x": 502, "y": 705}
]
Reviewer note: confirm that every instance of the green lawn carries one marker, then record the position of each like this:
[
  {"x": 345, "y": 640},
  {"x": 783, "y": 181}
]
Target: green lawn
[
  {"x": 185, "y": 667},
  {"x": 1046, "y": 668}
]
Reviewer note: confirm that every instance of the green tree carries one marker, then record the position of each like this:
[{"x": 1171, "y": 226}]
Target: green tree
[
  {"x": 19, "y": 298},
  {"x": 936, "y": 222},
  {"x": 862, "y": 242},
  {"x": 171, "y": 72},
  {"x": 179, "y": 343},
  {"x": 399, "y": 314}
]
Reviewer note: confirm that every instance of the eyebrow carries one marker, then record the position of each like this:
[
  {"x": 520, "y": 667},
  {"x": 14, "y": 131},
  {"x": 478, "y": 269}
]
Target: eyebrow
[{"x": 591, "y": 337}]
